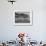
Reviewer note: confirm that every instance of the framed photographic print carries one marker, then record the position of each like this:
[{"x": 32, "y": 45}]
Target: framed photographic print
[{"x": 23, "y": 17}]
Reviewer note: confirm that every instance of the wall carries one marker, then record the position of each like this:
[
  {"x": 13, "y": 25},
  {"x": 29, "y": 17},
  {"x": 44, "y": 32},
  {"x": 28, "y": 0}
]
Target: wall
[{"x": 9, "y": 31}]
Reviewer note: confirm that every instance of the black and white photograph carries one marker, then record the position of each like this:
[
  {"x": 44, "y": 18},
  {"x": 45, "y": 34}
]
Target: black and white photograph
[{"x": 23, "y": 18}]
